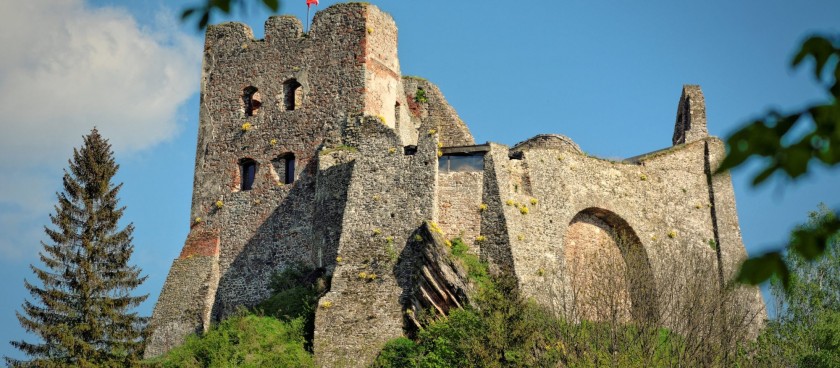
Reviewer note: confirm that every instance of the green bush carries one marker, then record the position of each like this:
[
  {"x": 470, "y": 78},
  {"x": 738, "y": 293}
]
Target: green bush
[
  {"x": 476, "y": 269},
  {"x": 398, "y": 353},
  {"x": 277, "y": 334},
  {"x": 806, "y": 331},
  {"x": 505, "y": 330},
  {"x": 243, "y": 341}
]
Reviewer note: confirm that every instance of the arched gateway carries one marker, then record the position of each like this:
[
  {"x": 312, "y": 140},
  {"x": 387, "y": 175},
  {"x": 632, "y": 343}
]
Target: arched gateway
[{"x": 607, "y": 269}]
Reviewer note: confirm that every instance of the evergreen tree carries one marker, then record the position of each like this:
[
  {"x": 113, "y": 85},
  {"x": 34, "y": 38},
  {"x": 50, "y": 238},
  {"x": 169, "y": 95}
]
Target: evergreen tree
[{"x": 82, "y": 309}]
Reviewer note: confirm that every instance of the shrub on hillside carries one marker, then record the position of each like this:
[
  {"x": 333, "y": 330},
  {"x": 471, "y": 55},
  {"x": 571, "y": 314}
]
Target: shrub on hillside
[{"x": 243, "y": 341}]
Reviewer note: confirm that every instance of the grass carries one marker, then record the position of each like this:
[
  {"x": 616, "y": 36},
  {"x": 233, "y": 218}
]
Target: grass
[{"x": 476, "y": 269}]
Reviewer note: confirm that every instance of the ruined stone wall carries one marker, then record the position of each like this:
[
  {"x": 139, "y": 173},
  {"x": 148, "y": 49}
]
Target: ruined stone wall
[
  {"x": 184, "y": 304},
  {"x": 366, "y": 142},
  {"x": 459, "y": 204},
  {"x": 690, "y": 124},
  {"x": 390, "y": 195},
  {"x": 496, "y": 223},
  {"x": 453, "y": 131},
  {"x": 382, "y": 75},
  {"x": 662, "y": 201},
  {"x": 270, "y": 226}
]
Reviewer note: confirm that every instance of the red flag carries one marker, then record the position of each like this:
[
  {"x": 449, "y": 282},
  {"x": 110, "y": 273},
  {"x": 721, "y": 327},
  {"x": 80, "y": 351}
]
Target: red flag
[{"x": 310, "y": 2}]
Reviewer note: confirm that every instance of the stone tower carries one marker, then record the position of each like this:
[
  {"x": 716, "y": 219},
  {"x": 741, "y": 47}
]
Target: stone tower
[
  {"x": 314, "y": 148},
  {"x": 263, "y": 199}
]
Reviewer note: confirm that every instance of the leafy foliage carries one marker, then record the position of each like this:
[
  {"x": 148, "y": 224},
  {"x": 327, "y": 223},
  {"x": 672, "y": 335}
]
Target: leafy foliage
[
  {"x": 278, "y": 335},
  {"x": 788, "y": 143},
  {"x": 204, "y": 11},
  {"x": 83, "y": 308},
  {"x": 295, "y": 296},
  {"x": 420, "y": 96},
  {"x": 505, "y": 330},
  {"x": 508, "y": 331},
  {"x": 476, "y": 269},
  {"x": 806, "y": 332},
  {"x": 768, "y": 136},
  {"x": 243, "y": 341}
]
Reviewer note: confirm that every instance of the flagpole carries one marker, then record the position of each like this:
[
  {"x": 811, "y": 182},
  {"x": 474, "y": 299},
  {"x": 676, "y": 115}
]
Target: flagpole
[{"x": 307, "y": 18}]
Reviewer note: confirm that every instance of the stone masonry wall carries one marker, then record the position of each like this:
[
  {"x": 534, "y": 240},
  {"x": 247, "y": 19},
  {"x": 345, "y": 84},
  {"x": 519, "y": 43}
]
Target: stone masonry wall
[
  {"x": 389, "y": 197},
  {"x": 495, "y": 221},
  {"x": 459, "y": 204},
  {"x": 183, "y": 306},
  {"x": 664, "y": 200},
  {"x": 690, "y": 124},
  {"x": 453, "y": 131},
  {"x": 270, "y": 226}
]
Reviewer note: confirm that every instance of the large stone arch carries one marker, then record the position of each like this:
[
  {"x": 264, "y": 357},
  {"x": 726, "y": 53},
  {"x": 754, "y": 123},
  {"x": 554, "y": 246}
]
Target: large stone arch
[{"x": 607, "y": 269}]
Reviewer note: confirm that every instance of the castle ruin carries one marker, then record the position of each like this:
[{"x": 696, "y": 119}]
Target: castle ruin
[{"x": 313, "y": 148}]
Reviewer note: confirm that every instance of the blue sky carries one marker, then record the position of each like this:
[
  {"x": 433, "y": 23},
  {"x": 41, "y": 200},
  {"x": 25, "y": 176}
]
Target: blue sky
[{"x": 605, "y": 73}]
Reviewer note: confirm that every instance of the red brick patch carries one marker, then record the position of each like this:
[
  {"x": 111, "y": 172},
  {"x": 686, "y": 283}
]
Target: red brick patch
[{"x": 201, "y": 243}]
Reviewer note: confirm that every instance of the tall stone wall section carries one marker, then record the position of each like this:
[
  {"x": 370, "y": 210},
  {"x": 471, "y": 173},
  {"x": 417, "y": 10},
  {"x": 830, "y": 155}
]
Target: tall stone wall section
[
  {"x": 390, "y": 195},
  {"x": 444, "y": 120},
  {"x": 184, "y": 304},
  {"x": 460, "y": 204},
  {"x": 690, "y": 124}
]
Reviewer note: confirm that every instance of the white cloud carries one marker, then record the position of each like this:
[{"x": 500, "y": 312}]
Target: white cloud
[{"x": 66, "y": 67}]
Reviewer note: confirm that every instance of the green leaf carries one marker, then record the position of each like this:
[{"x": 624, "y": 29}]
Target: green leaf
[
  {"x": 764, "y": 175},
  {"x": 759, "y": 269},
  {"x": 223, "y": 5},
  {"x": 820, "y": 49},
  {"x": 835, "y": 88},
  {"x": 187, "y": 12},
  {"x": 274, "y": 5},
  {"x": 811, "y": 242},
  {"x": 205, "y": 18}
]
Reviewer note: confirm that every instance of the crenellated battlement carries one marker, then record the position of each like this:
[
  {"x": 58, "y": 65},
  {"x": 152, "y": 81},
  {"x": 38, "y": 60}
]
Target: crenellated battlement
[{"x": 338, "y": 25}]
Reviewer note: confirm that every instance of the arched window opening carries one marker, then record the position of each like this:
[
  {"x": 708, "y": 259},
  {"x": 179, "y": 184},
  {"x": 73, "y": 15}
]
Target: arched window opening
[
  {"x": 284, "y": 166},
  {"x": 251, "y": 100},
  {"x": 248, "y": 170},
  {"x": 292, "y": 94}
]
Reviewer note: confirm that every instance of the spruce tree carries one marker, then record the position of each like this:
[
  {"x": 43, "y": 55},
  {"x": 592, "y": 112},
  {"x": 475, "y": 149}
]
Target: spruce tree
[{"x": 82, "y": 307}]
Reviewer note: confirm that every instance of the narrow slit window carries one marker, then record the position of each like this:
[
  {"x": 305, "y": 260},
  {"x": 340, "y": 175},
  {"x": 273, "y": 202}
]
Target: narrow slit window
[
  {"x": 289, "y": 169},
  {"x": 397, "y": 116},
  {"x": 248, "y": 168},
  {"x": 251, "y": 100},
  {"x": 292, "y": 95}
]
